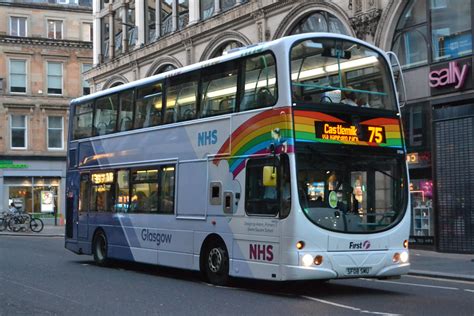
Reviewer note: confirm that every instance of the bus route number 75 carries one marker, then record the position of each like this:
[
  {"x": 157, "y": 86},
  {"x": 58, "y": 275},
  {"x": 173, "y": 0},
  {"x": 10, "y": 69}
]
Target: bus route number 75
[{"x": 376, "y": 134}]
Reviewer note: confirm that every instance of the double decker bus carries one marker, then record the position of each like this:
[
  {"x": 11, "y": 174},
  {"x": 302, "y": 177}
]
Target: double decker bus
[{"x": 280, "y": 161}]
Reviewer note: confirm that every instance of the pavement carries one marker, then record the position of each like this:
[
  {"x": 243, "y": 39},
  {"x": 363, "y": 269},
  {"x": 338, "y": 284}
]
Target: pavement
[{"x": 423, "y": 262}]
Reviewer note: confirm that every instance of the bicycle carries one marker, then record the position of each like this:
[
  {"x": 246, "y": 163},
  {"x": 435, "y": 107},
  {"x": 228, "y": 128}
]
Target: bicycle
[
  {"x": 24, "y": 221},
  {"x": 4, "y": 218}
]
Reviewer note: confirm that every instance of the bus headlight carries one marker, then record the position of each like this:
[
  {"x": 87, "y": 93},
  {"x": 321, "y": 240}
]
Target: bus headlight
[
  {"x": 307, "y": 260},
  {"x": 404, "y": 256}
]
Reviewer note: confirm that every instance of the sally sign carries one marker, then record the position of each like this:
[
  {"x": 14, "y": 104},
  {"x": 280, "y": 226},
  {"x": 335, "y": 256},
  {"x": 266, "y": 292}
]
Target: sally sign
[{"x": 453, "y": 75}]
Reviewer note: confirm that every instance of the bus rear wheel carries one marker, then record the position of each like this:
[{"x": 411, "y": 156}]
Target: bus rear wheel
[
  {"x": 99, "y": 249},
  {"x": 216, "y": 263}
]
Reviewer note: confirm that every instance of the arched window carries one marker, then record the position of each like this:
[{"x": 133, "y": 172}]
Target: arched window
[
  {"x": 164, "y": 68},
  {"x": 410, "y": 42},
  {"x": 320, "y": 21},
  {"x": 450, "y": 33},
  {"x": 224, "y": 48},
  {"x": 115, "y": 84}
]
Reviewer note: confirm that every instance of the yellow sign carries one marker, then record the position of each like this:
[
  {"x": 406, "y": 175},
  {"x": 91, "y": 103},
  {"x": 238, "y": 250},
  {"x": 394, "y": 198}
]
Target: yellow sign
[
  {"x": 351, "y": 133},
  {"x": 99, "y": 178}
]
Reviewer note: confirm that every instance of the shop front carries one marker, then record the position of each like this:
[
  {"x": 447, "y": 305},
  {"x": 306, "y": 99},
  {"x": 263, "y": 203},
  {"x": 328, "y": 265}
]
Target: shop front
[
  {"x": 34, "y": 187},
  {"x": 433, "y": 40},
  {"x": 439, "y": 130}
]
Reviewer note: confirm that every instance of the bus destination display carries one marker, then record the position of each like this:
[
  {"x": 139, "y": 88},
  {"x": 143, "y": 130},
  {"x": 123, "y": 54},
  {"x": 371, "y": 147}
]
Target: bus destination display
[{"x": 349, "y": 132}]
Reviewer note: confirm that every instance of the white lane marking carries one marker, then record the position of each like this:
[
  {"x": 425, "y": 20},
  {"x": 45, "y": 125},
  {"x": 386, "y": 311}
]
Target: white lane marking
[
  {"x": 356, "y": 309},
  {"x": 437, "y": 279},
  {"x": 421, "y": 285},
  {"x": 467, "y": 290}
]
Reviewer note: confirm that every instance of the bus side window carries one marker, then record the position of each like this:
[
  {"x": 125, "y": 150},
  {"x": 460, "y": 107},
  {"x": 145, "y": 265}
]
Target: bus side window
[
  {"x": 83, "y": 120},
  {"x": 144, "y": 184},
  {"x": 260, "y": 85},
  {"x": 148, "y": 106},
  {"x": 105, "y": 118},
  {"x": 102, "y": 192},
  {"x": 219, "y": 89},
  {"x": 166, "y": 190},
  {"x": 181, "y": 98},
  {"x": 125, "y": 121},
  {"x": 122, "y": 202}
]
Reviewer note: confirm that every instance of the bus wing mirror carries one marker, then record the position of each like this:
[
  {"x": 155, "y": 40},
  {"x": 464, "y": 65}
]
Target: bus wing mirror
[
  {"x": 399, "y": 79},
  {"x": 269, "y": 176}
]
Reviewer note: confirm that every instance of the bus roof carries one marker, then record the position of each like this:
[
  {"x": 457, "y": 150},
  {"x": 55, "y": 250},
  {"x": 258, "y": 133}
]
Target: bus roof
[{"x": 233, "y": 54}]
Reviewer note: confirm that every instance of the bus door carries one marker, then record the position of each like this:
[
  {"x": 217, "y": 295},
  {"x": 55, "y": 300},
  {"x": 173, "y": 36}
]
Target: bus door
[{"x": 83, "y": 207}]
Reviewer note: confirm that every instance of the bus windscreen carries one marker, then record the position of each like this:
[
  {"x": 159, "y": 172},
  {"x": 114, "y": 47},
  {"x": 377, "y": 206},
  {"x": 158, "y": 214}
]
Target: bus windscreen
[{"x": 338, "y": 71}]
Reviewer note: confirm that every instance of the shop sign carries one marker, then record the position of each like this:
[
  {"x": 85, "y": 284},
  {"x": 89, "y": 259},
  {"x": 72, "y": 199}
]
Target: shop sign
[
  {"x": 47, "y": 201},
  {"x": 421, "y": 158},
  {"x": 452, "y": 75},
  {"x": 8, "y": 164},
  {"x": 449, "y": 77}
]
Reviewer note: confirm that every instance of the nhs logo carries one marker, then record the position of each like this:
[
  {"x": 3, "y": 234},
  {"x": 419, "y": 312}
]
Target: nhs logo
[{"x": 207, "y": 138}]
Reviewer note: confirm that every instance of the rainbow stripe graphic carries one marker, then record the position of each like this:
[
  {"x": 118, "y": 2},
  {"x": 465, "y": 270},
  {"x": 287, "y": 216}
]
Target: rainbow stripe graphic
[
  {"x": 305, "y": 129},
  {"x": 255, "y": 136}
]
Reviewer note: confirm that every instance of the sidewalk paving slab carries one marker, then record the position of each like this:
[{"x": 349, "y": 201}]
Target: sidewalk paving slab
[
  {"x": 442, "y": 265},
  {"x": 48, "y": 231}
]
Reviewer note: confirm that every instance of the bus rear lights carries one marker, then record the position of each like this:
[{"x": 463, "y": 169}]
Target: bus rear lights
[
  {"x": 318, "y": 260},
  {"x": 405, "y": 244},
  {"x": 300, "y": 245},
  {"x": 307, "y": 260},
  {"x": 396, "y": 257}
]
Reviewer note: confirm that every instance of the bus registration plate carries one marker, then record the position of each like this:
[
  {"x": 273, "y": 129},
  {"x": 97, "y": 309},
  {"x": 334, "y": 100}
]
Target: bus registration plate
[{"x": 358, "y": 270}]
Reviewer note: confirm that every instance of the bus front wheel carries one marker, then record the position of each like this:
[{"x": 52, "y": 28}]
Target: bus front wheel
[
  {"x": 216, "y": 263},
  {"x": 99, "y": 249}
]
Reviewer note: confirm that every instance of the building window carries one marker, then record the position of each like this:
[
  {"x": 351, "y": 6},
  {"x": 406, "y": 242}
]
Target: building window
[
  {"x": 118, "y": 36},
  {"x": 410, "y": 41},
  {"x": 18, "y": 26},
  {"x": 320, "y": 21},
  {"x": 151, "y": 20},
  {"x": 207, "y": 8},
  {"x": 451, "y": 32},
  {"x": 18, "y": 132},
  {"x": 18, "y": 76},
  {"x": 87, "y": 32},
  {"x": 105, "y": 37},
  {"x": 227, "y": 4},
  {"x": 55, "y": 29},
  {"x": 55, "y": 132},
  {"x": 451, "y": 35},
  {"x": 166, "y": 17},
  {"x": 132, "y": 33},
  {"x": 164, "y": 68},
  {"x": 55, "y": 78},
  {"x": 183, "y": 13},
  {"x": 86, "y": 89},
  {"x": 224, "y": 48}
]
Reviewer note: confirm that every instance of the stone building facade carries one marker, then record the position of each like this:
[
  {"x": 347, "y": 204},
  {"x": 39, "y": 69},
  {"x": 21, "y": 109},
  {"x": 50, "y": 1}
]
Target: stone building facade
[
  {"x": 44, "y": 48},
  {"x": 419, "y": 31}
]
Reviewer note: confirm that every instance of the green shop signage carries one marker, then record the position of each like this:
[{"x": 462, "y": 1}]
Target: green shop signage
[{"x": 8, "y": 164}]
